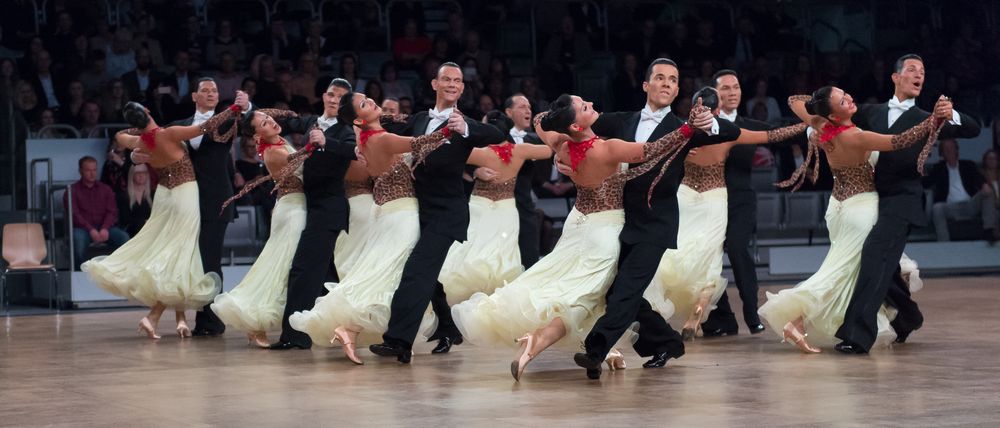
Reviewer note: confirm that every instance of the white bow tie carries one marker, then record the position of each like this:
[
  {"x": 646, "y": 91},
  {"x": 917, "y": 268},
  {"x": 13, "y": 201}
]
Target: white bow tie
[
  {"x": 517, "y": 133},
  {"x": 655, "y": 117},
  {"x": 439, "y": 115},
  {"x": 895, "y": 104},
  {"x": 201, "y": 117},
  {"x": 326, "y": 122}
]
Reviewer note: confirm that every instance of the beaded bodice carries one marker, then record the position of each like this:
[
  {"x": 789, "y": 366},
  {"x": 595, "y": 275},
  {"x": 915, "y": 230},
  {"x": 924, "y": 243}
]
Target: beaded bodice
[
  {"x": 177, "y": 173},
  {"x": 494, "y": 190},
  {"x": 703, "y": 178},
  {"x": 395, "y": 183},
  {"x": 853, "y": 180},
  {"x": 355, "y": 188}
]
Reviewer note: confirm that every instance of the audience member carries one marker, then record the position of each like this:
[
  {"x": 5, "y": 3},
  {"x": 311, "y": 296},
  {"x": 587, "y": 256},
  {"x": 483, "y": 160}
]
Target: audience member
[{"x": 94, "y": 212}]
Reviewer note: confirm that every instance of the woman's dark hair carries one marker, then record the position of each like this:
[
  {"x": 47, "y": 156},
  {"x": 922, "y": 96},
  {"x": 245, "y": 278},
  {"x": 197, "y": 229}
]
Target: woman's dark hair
[
  {"x": 245, "y": 126},
  {"x": 819, "y": 105},
  {"x": 500, "y": 121},
  {"x": 346, "y": 113},
  {"x": 709, "y": 97},
  {"x": 135, "y": 115},
  {"x": 561, "y": 115}
]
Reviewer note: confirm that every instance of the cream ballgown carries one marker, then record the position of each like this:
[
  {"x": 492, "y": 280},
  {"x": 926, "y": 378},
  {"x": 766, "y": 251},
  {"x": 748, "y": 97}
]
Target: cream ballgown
[
  {"x": 822, "y": 299},
  {"x": 258, "y": 301},
  {"x": 162, "y": 263},
  {"x": 490, "y": 256},
  {"x": 694, "y": 269}
]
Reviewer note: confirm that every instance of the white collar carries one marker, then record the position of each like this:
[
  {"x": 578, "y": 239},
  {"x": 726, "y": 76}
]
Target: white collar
[
  {"x": 730, "y": 117},
  {"x": 661, "y": 112},
  {"x": 906, "y": 105}
]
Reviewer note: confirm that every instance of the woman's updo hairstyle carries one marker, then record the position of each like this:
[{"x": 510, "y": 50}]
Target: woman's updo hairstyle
[
  {"x": 560, "y": 116},
  {"x": 819, "y": 105},
  {"x": 346, "y": 112},
  {"x": 500, "y": 121},
  {"x": 135, "y": 115}
]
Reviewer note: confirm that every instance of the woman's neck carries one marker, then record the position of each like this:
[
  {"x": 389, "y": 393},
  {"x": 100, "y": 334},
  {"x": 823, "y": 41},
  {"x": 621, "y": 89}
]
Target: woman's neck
[
  {"x": 271, "y": 140},
  {"x": 583, "y": 135}
]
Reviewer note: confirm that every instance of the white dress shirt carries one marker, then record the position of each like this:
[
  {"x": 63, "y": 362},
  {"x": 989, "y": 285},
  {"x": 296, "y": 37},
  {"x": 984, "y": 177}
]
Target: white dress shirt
[
  {"x": 956, "y": 191},
  {"x": 439, "y": 117},
  {"x": 518, "y": 135}
]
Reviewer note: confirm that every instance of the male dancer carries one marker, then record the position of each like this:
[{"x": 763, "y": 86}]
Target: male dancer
[
  {"x": 327, "y": 210},
  {"x": 650, "y": 227},
  {"x": 518, "y": 109},
  {"x": 213, "y": 170},
  {"x": 742, "y": 215},
  {"x": 444, "y": 218},
  {"x": 900, "y": 206}
]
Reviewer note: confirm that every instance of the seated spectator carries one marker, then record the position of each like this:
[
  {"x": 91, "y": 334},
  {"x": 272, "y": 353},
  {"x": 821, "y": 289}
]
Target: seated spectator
[
  {"x": 248, "y": 168},
  {"x": 48, "y": 85},
  {"x": 411, "y": 47},
  {"x": 390, "y": 106},
  {"x": 8, "y": 75},
  {"x": 90, "y": 118},
  {"x": 48, "y": 117},
  {"x": 116, "y": 168},
  {"x": 142, "y": 40},
  {"x": 136, "y": 203},
  {"x": 771, "y": 112},
  {"x": 349, "y": 70},
  {"x": 94, "y": 212},
  {"x": 112, "y": 102},
  {"x": 227, "y": 78},
  {"x": 960, "y": 193},
  {"x": 307, "y": 79},
  {"x": 120, "y": 58},
  {"x": 70, "y": 113},
  {"x": 392, "y": 87},
  {"x": 373, "y": 89},
  {"x": 139, "y": 83},
  {"x": 95, "y": 76},
  {"x": 405, "y": 106},
  {"x": 287, "y": 93},
  {"x": 474, "y": 51},
  {"x": 225, "y": 41},
  {"x": 26, "y": 102},
  {"x": 566, "y": 50}
]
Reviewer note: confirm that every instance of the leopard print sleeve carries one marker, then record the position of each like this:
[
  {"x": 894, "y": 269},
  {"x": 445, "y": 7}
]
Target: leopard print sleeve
[
  {"x": 423, "y": 145},
  {"x": 388, "y": 119},
  {"x": 785, "y": 132},
  {"x": 212, "y": 126},
  {"x": 795, "y": 98}
]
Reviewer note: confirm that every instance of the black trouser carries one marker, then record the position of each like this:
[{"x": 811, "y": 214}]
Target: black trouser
[
  {"x": 210, "y": 240},
  {"x": 739, "y": 231},
  {"x": 418, "y": 287},
  {"x": 527, "y": 238},
  {"x": 637, "y": 264},
  {"x": 311, "y": 266},
  {"x": 879, "y": 263}
]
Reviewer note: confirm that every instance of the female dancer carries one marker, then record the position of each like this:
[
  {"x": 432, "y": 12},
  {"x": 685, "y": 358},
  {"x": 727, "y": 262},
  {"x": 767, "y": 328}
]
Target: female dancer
[
  {"x": 490, "y": 256},
  {"x": 690, "y": 276},
  {"x": 563, "y": 294},
  {"x": 160, "y": 266},
  {"x": 358, "y": 186},
  {"x": 258, "y": 301},
  {"x": 360, "y": 303},
  {"x": 817, "y": 305}
]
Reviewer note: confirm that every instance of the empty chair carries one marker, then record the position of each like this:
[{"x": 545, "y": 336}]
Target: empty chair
[
  {"x": 803, "y": 212},
  {"x": 24, "y": 250},
  {"x": 242, "y": 232}
]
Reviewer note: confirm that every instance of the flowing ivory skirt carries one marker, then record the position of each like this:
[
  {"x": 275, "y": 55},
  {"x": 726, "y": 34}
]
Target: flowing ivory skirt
[
  {"x": 822, "y": 299},
  {"x": 258, "y": 302},
  {"x": 569, "y": 283},
  {"x": 362, "y": 300},
  {"x": 489, "y": 257},
  {"x": 350, "y": 245},
  {"x": 161, "y": 263},
  {"x": 695, "y": 266}
]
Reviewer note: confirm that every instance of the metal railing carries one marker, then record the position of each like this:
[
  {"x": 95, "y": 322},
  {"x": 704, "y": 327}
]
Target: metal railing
[
  {"x": 32, "y": 183},
  {"x": 72, "y": 129},
  {"x": 388, "y": 13},
  {"x": 202, "y": 12}
]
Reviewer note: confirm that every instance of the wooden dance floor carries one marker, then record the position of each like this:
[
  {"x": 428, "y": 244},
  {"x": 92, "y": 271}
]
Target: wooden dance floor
[{"x": 90, "y": 369}]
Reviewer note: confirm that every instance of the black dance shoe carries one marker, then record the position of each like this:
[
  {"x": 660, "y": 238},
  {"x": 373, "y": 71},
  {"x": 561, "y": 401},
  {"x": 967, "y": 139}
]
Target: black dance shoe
[
  {"x": 849, "y": 348},
  {"x": 719, "y": 331},
  {"x": 659, "y": 360},
  {"x": 281, "y": 345},
  {"x": 386, "y": 350},
  {"x": 445, "y": 343},
  {"x": 757, "y": 329},
  {"x": 589, "y": 362}
]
